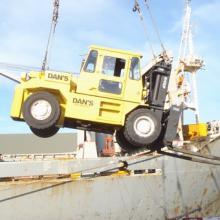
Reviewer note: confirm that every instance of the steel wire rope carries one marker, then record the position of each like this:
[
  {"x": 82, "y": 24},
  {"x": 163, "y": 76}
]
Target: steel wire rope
[
  {"x": 188, "y": 158},
  {"x": 53, "y": 25},
  {"x": 184, "y": 156},
  {"x": 210, "y": 157},
  {"x": 154, "y": 25},
  {"x": 18, "y": 66},
  {"x": 138, "y": 9},
  {"x": 118, "y": 164},
  {"x": 12, "y": 78},
  {"x": 174, "y": 155}
]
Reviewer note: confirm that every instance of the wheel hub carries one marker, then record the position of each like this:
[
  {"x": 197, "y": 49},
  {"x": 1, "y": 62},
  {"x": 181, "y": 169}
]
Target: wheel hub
[
  {"x": 144, "y": 126},
  {"x": 41, "y": 110}
]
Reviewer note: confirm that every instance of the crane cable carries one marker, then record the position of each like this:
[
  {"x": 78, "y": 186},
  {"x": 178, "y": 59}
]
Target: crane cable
[
  {"x": 137, "y": 8},
  {"x": 170, "y": 152},
  {"x": 191, "y": 158},
  {"x": 155, "y": 25},
  {"x": 18, "y": 66},
  {"x": 51, "y": 34},
  {"x": 10, "y": 77},
  {"x": 140, "y": 158}
]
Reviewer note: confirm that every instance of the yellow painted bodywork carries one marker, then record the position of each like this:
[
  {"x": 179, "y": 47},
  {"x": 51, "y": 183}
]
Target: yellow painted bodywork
[
  {"x": 80, "y": 97},
  {"x": 195, "y": 131},
  {"x": 121, "y": 173},
  {"x": 75, "y": 176}
]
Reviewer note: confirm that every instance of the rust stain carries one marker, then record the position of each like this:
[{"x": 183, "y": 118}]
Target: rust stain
[
  {"x": 212, "y": 207},
  {"x": 208, "y": 177},
  {"x": 204, "y": 192},
  {"x": 177, "y": 210}
]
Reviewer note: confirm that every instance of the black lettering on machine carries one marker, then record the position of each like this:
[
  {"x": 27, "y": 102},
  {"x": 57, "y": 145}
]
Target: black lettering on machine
[
  {"x": 83, "y": 102},
  {"x": 58, "y": 77}
]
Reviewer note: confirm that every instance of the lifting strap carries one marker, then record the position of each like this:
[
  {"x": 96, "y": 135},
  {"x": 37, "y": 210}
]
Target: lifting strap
[{"x": 51, "y": 34}]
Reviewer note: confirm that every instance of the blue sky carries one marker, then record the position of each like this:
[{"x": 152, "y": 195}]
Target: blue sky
[{"x": 24, "y": 27}]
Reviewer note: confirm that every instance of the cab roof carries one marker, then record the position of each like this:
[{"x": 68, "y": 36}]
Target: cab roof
[{"x": 96, "y": 47}]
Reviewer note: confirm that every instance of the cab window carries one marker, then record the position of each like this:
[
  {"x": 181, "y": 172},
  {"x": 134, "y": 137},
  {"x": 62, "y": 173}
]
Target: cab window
[
  {"x": 135, "y": 69},
  {"x": 110, "y": 86},
  {"x": 91, "y": 62},
  {"x": 113, "y": 66}
]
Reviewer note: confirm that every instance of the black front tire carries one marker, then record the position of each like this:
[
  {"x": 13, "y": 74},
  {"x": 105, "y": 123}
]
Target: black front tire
[
  {"x": 142, "y": 128},
  {"x": 45, "y": 133},
  {"x": 49, "y": 115},
  {"x": 123, "y": 143}
]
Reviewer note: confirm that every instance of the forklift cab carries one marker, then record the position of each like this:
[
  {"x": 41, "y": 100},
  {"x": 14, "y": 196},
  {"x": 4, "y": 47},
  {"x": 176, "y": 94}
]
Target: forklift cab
[{"x": 112, "y": 74}]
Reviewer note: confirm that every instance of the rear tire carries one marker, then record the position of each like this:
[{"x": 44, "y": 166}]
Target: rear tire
[
  {"x": 41, "y": 110},
  {"x": 123, "y": 143},
  {"x": 45, "y": 133},
  {"x": 142, "y": 128}
]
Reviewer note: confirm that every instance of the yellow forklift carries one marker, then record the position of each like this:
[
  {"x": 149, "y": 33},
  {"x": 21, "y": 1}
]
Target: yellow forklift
[{"x": 110, "y": 95}]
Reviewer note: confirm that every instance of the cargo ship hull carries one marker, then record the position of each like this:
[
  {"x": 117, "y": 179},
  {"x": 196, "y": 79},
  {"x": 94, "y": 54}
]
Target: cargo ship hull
[{"x": 172, "y": 189}]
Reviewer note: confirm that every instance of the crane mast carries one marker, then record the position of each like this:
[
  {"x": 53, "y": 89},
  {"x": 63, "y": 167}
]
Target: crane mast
[{"x": 188, "y": 63}]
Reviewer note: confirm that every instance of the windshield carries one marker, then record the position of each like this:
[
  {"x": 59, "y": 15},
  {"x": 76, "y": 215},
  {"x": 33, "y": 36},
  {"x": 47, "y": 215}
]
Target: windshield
[
  {"x": 91, "y": 62},
  {"x": 135, "y": 69}
]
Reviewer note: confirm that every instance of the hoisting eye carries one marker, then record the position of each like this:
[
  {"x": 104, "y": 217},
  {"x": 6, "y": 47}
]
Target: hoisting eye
[{"x": 134, "y": 8}]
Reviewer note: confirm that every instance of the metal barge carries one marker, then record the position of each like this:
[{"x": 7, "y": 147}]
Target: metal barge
[{"x": 154, "y": 186}]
